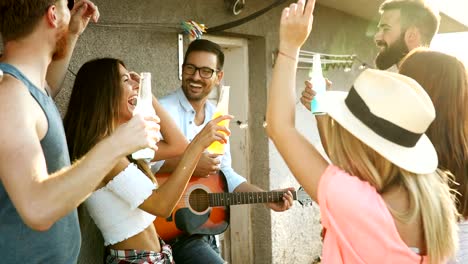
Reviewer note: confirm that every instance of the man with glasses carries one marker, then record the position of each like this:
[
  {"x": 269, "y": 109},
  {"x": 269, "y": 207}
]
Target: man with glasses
[
  {"x": 191, "y": 110},
  {"x": 39, "y": 189},
  {"x": 404, "y": 25}
]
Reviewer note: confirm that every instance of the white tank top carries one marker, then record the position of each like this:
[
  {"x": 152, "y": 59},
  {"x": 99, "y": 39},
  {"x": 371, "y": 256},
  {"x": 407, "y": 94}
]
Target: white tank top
[{"x": 114, "y": 207}]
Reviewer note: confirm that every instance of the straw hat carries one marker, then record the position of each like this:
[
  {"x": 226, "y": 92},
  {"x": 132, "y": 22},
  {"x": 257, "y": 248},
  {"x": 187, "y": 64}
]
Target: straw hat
[{"x": 390, "y": 113}]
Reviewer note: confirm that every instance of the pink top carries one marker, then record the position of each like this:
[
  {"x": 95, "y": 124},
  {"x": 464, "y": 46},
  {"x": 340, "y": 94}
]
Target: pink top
[{"x": 360, "y": 228}]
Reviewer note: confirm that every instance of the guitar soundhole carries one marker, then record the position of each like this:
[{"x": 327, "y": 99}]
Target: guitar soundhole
[{"x": 198, "y": 200}]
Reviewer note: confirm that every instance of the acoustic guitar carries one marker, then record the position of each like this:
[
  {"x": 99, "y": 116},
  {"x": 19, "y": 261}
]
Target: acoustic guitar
[{"x": 204, "y": 206}]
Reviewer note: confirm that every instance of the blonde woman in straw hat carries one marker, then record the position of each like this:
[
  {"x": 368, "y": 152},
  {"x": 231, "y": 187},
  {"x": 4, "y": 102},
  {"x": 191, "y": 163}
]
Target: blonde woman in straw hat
[{"x": 383, "y": 199}]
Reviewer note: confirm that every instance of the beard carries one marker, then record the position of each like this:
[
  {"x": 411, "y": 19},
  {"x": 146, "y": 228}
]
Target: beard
[
  {"x": 61, "y": 45},
  {"x": 195, "y": 96},
  {"x": 391, "y": 54}
]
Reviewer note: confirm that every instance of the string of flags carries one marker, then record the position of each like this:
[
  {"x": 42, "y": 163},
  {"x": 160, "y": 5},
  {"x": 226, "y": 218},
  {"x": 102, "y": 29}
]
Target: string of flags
[{"x": 193, "y": 29}]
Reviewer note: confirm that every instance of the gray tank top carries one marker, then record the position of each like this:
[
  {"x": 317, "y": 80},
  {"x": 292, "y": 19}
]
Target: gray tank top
[{"x": 61, "y": 243}]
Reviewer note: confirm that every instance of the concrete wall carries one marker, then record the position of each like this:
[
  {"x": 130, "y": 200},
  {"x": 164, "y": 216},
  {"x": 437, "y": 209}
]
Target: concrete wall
[{"x": 291, "y": 237}]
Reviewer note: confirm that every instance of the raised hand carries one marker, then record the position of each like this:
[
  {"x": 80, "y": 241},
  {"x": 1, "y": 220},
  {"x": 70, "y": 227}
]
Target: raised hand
[
  {"x": 308, "y": 93},
  {"x": 212, "y": 132},
  {"x": 138, "y": 133},
  {"x": 295, "y": 26},
  {"x": 207, "y": 165},
  {"x": 83, "y": 11}
]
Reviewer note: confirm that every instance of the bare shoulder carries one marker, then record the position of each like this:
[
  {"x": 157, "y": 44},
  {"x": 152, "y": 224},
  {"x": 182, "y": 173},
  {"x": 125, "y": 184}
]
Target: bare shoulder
[
  {"x": 15, "y": 99},
  {"x": 20, "y": 150},
  {"x": 18, "y": 108}
]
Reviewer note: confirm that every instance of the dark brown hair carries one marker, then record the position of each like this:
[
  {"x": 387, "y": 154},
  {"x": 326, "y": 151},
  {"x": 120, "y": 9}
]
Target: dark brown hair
[
  {"x": 19, "y": 17},
  {"x": 93, "y": 110},
  {"x": 415, "y": 13},
  {"x": 445, "y": 79},
  {"x": 208, "y": 46}
]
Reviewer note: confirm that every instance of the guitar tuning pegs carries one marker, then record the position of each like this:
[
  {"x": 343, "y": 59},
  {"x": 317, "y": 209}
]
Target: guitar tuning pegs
[{"x": 303, "y": 198}]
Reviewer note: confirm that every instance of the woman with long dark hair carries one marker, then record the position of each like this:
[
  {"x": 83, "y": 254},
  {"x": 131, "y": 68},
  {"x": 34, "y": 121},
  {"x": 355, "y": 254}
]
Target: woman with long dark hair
[
  {"x": 445, "y": 79},
  {"x": 126, "y": 202}
]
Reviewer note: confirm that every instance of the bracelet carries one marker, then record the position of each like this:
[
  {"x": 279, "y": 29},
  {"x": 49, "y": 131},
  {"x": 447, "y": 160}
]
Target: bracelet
[{"x": 287, "y": 56}]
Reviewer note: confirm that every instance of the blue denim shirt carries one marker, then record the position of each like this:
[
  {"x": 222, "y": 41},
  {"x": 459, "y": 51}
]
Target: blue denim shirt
[{"x": 183, "y": 114}]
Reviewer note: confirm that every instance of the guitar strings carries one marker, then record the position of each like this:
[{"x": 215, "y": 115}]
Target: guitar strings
[
  {"x": 235, "y": 195},
  {"x": 203, "y": 198}
]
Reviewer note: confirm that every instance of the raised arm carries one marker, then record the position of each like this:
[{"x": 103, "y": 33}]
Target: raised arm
[
  {"x": 304, "y": 161},
  {"x": 42, "y": 199},
  {"x": 308, "y": 95},
  {"x": 82, "y": 13},
  {"x": 165, "y": 198},
  {"x": 174, "y": 142}
]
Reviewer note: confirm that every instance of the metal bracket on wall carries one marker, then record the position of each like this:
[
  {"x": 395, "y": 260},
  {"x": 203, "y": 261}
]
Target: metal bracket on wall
[
  {"x": 235, "y": 6},
  {"x": 180, "y": 48}
]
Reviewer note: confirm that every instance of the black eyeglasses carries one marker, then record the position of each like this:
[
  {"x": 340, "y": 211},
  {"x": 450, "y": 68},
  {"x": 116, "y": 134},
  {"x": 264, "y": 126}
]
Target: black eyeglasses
[{"x": 205, "y": 72}]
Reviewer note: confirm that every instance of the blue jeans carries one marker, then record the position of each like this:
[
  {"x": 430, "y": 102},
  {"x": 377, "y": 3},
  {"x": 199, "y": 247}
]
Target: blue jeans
[{"x": 196, "y": 249}]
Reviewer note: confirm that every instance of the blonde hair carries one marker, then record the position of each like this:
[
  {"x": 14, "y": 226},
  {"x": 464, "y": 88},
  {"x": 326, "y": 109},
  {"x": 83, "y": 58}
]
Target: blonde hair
[{"x": 430, "y": 196}]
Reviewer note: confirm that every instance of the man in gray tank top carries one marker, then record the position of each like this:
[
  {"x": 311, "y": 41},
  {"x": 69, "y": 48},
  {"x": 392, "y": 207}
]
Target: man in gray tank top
[{"x": 39, "y": 190}]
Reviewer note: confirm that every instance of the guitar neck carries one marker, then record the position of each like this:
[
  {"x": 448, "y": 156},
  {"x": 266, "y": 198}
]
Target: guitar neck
[{"x": 237, "y": 198}]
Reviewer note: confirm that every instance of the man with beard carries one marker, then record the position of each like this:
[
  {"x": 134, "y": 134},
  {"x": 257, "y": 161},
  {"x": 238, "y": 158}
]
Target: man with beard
[
  {"x": 39, "y": 190},
  {"x": 403, "y": 26},
  {"x": 189, "y": 107}
]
